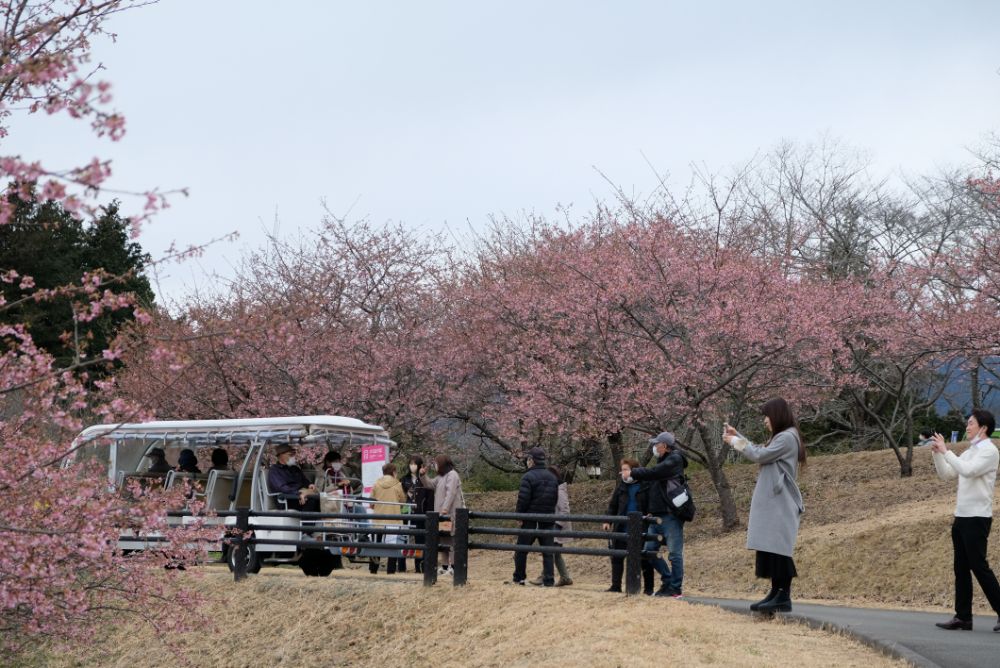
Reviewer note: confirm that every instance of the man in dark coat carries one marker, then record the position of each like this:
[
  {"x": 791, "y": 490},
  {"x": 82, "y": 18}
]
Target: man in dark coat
[
  {"x": 287, "y": 478},
  {"x": 538, "y": 494},
  {"x": 670, "y": 465}
]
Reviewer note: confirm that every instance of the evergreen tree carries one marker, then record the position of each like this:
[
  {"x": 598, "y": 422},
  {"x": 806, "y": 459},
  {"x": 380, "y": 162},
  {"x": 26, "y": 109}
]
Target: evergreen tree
[{"x": 54, "y": 248}]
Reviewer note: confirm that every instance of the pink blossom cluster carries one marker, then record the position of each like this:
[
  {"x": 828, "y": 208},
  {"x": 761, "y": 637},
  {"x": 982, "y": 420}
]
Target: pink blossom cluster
[
  {"x": 61, "y": 521},
  {"x": 45, "y": 67}
]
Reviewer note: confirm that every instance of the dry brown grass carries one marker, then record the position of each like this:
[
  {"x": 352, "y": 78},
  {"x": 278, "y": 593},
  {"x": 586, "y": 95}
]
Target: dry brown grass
[
  {"x": 868, "y": 538},
  {"x": 280, "y": 617}
]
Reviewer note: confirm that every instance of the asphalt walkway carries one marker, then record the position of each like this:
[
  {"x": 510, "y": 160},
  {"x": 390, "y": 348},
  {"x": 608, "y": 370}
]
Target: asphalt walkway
[{"x": 907, "y": 635}]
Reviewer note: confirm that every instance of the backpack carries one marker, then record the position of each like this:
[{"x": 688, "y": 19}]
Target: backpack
[{"x": 681, "y": 500}]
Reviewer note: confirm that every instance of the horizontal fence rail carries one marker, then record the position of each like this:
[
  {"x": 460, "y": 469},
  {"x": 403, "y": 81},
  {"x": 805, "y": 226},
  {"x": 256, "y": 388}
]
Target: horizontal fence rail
[
  {"x": 541, "y": 517},
  {"x": 241, "y": 539}
]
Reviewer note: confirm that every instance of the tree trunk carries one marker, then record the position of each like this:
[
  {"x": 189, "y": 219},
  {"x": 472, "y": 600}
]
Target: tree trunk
[
  {"x": 906, "y": 467},
  {"x": 617, "y": 449},
  {"x": 713, "y": 462},
  {"x": 976, "y": 395},
  {"x": 905, "y": 461}
]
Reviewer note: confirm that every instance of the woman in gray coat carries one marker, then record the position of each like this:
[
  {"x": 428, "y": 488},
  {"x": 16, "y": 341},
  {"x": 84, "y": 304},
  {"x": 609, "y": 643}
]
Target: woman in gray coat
[{"x": 776, "y": 505}]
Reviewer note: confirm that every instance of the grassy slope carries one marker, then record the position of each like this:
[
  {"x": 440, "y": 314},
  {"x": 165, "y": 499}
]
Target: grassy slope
[
  {"x": 353, "y": 619},
  {"x": 867, "y": 536}
]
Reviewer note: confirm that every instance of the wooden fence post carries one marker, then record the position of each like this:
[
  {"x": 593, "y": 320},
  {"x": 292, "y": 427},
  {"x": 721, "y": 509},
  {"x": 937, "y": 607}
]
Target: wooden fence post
[
  {"x": 460, "y": 544},
  {"x": 633, "y": 562},
  {"x": 431, "y": 550},
  {"x": 241, "y": 548}
]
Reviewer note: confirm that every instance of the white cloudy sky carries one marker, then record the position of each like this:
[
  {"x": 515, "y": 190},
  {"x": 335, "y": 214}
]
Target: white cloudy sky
[{"x": 437, "y": 114}]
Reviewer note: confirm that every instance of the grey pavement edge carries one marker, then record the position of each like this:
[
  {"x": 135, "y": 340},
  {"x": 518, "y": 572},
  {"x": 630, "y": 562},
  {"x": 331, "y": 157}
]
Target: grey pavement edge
[{"x": 907, "y": 635}]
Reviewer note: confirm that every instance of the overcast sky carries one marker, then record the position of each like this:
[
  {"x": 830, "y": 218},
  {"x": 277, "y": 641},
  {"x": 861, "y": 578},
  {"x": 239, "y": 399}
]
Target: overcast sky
[{"x": 437, "y": 114}]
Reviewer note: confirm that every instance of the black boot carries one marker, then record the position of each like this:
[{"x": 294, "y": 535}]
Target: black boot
[
  {"x": 664, "y": 591},
  {"x": 647, "y": 578},
  {"x": 771, "y": 594},
  {"x": 782, "y": 602},
  {"x": 617, "y": 569}
]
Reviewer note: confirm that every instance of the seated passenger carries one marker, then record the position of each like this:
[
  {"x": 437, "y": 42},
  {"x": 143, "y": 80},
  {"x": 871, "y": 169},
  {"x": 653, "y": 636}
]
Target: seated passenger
[
  {"x": 288, "y": 479},
  {"x": 331, "y": 476},
  {"x": 220, "y": 459},
  {"x": 159, "y": 461},
  {"x": 187, "y": 462}
]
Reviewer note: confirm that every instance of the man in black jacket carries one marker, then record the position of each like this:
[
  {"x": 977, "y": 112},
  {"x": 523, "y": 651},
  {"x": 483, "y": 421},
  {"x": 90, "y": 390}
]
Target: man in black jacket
[
  {"x": 670, "y": 465},
  {"x": 538, "y": 494},
  {"x": 287, "y": 479}
]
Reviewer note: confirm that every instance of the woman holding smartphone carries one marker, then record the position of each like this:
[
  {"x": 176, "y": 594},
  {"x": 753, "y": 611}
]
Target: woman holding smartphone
[
  {"x": 776, "y": 505},
  {"x": 448, "y": 497}
]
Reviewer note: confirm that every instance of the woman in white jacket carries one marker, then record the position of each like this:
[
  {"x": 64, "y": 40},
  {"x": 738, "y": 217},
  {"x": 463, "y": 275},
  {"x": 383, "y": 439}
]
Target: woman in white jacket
[{"x": 447, "y": 486}]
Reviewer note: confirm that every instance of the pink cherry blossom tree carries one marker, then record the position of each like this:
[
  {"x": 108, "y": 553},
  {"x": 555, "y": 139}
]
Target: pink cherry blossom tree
[
  {"x": 644, "y": 325},
  {"x": 60, "y": 571},
  {"x": 342, "y": 321}
]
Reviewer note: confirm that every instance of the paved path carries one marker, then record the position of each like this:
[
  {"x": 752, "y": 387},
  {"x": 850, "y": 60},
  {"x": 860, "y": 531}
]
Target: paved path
[{"x": 908, "y": 635}]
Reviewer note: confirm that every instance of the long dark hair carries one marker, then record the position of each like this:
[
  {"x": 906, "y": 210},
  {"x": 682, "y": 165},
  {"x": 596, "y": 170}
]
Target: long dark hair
[
  {"x": 780, "y": 414},
  {"x": 444, "y": 464}
]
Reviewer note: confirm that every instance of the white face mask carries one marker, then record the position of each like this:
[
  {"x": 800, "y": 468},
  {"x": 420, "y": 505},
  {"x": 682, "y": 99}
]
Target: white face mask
[
  {"x": 413, "y": 468},
  {"x": 337, "y": 466},
  {"x": 626, "y": 478},
  {"x": 290, "y": 462}
]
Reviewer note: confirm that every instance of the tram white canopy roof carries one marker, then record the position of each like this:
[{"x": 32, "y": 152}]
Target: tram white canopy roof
[{"x": 304, "y": 427}]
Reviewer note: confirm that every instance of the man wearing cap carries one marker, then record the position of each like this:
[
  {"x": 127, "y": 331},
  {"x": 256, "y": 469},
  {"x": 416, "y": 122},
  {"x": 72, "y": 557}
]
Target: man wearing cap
[
  {"x": 670, "y": 464},
  {"x": 289, "y": 480},
  {"x": 538, "y": 494},
  {"x": 159, "y": 461}
]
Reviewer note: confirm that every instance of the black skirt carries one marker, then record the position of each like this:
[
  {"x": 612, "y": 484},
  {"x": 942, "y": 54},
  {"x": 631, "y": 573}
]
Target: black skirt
[{"x": 775, "y": 566}]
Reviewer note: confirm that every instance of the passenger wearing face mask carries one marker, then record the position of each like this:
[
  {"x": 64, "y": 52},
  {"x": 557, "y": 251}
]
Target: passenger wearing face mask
[
  {"x": 287, "y": 478},
  {"x": 670, "y": 465},
  {"x": 629, "y": 496},
  {"x": 422, "y": 498},
  {"x": 330, "y": 479},
  {"x": 332, "y": 476}
]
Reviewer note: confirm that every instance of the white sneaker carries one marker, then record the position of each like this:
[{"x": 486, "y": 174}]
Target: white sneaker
[{"x": 445, "y": 570}]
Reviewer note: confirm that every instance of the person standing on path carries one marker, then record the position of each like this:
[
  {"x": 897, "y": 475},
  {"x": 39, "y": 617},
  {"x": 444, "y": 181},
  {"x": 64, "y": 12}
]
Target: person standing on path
[
  {"x": 390, "y": 492},
  {"x": 562, "y": 508},
  {"x": 776, "y": 505},
  {"x": 448, "y": 497},
  {"x": 538, "y": 494},
  {"x": 976, "y": 470},
  {"x": 670, "y": 465},
  {"x": 422, "y": 499},
  {"x": 629, "y": 497}
]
